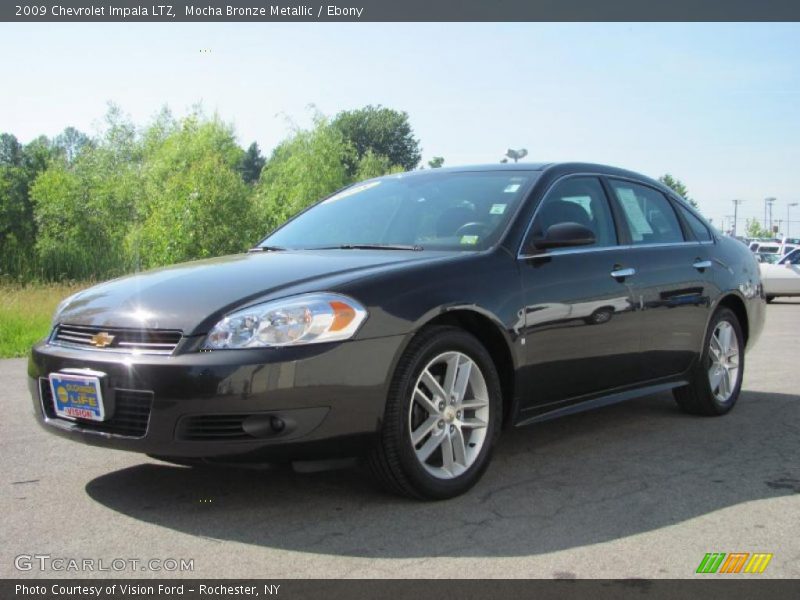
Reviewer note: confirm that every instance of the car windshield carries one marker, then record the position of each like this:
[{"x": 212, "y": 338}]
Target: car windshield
[
  {"x": 792, "y": 258},
  {"x": 433, "y": 210}
]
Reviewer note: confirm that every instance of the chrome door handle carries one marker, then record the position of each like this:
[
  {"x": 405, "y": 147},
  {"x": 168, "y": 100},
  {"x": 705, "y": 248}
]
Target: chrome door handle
[
  {"x": 623, "y": 273},
  {"x": 702, "y": 264}
]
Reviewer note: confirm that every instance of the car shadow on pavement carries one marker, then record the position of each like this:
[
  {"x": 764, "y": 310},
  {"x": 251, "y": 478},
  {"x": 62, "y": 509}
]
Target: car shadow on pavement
[{"x": 584, "y": 479}]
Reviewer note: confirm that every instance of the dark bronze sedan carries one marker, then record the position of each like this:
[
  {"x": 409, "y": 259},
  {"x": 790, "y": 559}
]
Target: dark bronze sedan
[{"x": 408, "y": 319}]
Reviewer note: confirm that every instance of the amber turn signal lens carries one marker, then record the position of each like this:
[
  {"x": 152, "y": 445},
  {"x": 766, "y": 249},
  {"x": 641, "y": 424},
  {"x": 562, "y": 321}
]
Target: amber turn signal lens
[{"x": 343, "y": 314}]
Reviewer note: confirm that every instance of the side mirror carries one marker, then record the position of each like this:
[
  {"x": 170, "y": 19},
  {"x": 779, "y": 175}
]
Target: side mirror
[{"x": 563, "y": 235}]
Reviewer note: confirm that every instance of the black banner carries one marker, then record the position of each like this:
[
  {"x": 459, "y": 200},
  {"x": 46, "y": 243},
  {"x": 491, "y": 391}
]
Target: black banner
[
  {"x": 716, "y": 588},
  {"x": 400, "y": 10}
]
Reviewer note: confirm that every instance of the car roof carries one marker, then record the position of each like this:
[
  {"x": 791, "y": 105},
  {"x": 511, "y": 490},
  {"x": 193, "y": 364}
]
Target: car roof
[{"x": 558, "y": 168}]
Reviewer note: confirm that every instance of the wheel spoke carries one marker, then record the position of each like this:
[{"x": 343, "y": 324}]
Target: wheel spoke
[
  {"x": 473, "y": 423},
  {"x": 428, "y": 447},
  {"x": 450, "y": 375},
  {"x": 447, "y": 453},
  {"x": 473, "y": 403},
  {"x": 725, "y": 385},
  {"x": 714, "y": 377},
  {"x": 433, "y": 385},
  {"x": 725, "y": 331},
  {"x": 462, "y": 380},
  {"x": 426, "y": 402},
  {"x": 420, "y": 432},
  {"x": 459, "y": 448},
  {"x": 714, "y": 349}
]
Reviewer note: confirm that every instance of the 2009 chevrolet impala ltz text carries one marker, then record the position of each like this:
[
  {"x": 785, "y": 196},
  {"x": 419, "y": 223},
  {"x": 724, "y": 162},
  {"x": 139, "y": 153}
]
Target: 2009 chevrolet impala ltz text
[{"x": 409, "y": 319}]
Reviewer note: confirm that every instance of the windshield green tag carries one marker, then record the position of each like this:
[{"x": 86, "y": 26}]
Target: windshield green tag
[
  {"x": 469, "y": 239},
  {"x": 497, "y": 209}
]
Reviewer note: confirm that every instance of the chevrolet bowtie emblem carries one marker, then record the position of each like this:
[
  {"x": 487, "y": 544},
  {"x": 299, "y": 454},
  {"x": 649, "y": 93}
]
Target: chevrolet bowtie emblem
[{"x": 101, "y": 340}]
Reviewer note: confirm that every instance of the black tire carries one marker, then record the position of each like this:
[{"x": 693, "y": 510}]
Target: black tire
[
  {"x": 770, "y": 299},
  {"x": 698, "y": 398},
  {"x": 392, "y": 460}
]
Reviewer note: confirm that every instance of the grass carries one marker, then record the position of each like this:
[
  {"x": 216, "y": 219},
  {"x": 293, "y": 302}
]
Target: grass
[{"x": 25, "y": 313}]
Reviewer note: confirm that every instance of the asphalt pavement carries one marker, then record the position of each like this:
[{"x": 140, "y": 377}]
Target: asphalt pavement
[{"x": 633, "y": 490}]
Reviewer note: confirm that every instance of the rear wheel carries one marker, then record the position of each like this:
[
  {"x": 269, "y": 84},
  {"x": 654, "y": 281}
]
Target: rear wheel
[
  {"x": 717, "y": 378},
  {"x": 442, "y": 417}
]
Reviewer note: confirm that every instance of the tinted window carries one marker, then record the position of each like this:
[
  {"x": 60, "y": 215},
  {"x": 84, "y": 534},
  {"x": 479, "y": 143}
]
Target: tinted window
[
  {"x": 576, "y": 200},
  {"x": 648, "y": 213},
  {"x": 700, "y": 231}
]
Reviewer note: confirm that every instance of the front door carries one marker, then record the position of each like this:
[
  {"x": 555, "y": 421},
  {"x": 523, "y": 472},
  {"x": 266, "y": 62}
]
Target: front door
[{"x": 580, "y": 324}]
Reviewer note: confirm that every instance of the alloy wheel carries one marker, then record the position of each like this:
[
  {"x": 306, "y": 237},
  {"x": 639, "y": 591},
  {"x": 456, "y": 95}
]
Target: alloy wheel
[
  {"x": 448, "y": 415},
  {"x": 723, "y": 371}
]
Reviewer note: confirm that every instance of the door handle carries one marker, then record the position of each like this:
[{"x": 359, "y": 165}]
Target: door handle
[
  {"x": 623, "y": 273},
  {"x": 701, "y": 264}
]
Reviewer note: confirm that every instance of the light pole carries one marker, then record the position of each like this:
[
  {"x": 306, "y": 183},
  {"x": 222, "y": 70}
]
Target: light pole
[
  {"x": 768, "y": 203},
  {"x": 729, "y": 218},
  {"x": 736, "y": 204},
  {"x": 788, "y": 222}
]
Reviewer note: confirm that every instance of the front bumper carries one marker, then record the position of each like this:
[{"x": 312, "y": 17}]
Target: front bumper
[{"x": 316, "y": 401}]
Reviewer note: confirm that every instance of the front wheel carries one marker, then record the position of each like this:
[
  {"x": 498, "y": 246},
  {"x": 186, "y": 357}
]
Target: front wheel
[
  {"x": 442, "y": 417},
  {"x": 717, "y": 378}
]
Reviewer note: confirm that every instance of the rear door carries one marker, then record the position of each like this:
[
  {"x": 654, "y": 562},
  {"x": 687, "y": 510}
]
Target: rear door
[
  {"x": 579, "y": 324},
  {"x": 671, "y": 249}
]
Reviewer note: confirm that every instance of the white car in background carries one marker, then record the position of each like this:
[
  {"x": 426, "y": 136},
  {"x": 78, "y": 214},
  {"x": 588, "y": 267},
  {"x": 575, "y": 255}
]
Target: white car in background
[
  {"x": 782, "y": 278},
  {"x": 780, "y": 248}
]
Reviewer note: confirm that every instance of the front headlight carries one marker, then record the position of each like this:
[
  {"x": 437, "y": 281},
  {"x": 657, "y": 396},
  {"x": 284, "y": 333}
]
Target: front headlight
[{"x": 304, "y": 319}]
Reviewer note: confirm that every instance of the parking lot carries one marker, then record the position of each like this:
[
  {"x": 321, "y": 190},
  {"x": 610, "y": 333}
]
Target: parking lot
[{"x": 633, "y": 490}]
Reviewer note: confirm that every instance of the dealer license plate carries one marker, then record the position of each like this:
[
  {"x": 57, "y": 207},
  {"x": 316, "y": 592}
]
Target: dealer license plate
[{"x": 77, "y": 396}]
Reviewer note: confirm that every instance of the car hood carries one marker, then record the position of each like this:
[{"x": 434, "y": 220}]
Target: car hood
[{"x": 191, "y": 297}]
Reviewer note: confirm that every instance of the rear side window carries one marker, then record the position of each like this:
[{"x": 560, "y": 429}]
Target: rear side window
[
  {"x": 650, "y": 217},
  {"x": 700, "y": 231}
]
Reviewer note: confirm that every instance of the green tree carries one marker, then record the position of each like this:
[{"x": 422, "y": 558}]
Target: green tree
[
  {"x": 753, "y": 229},
  {"x": 309, "y": 165},
  {"x": 374, "y": 165},
  {"x": 436, "y": 162},
  {"x": 251, "y": 164},
  {"x": 195, "y": 203},
  {"x": 19, "y": 167},
  {"x": 384, "y": 131},
  {"x": 70, "y": 142},
  {"x": 677, "y": 186},
  {"x": 10, "y": 150}
]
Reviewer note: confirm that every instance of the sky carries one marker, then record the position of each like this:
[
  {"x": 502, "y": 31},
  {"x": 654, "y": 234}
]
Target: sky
[{"x": 716, "y": 105}]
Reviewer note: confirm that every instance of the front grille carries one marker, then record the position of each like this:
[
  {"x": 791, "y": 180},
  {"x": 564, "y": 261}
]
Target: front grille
[
  {"x": 141, "y": 341},
  {"x": 213, "y": 427},
  {"x": 131, "y": 412}
]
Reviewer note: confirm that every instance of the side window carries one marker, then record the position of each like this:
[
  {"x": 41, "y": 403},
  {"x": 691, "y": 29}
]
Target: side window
[
  {"x": 650, "y": 217},
  {"x": 577, "y": 200},
  {"x": 699, "y": 229}
]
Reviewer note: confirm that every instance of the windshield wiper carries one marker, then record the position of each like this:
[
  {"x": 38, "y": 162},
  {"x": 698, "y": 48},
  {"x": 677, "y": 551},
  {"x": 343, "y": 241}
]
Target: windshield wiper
[
  {"x": 266, "y": 249},
  {"x": 413, "y": 248}
]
